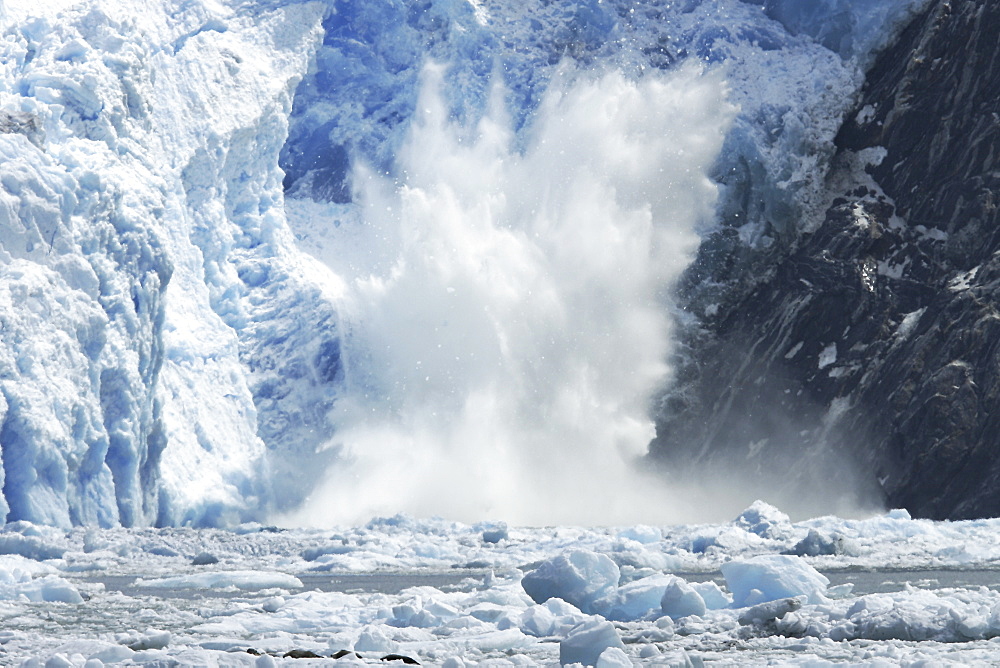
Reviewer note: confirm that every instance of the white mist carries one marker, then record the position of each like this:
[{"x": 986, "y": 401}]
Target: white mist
[{"x": 508, "y": 310}]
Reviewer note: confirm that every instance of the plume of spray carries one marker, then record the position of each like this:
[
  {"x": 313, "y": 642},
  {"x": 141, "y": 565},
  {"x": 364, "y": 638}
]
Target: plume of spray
[{"x": 508, "y": 304}]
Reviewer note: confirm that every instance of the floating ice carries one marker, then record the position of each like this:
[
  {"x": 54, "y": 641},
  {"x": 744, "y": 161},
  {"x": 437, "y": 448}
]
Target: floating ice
[
  {"x": 579, "y": 577},
  {"x": 639, "y": 597},
  {"x": 587, "y": 643},
  {"x": 764, "y": 520},
  {"x": 554, "y": 617},
  {"x": 150, "y": 639},
  {"x": 770, "y": 577},
  {"x": 766, "y": 612},
  {"x": 680, "y": 599},
  {"x": 31, "y": 547},
  {"x": 712, "y": 594},
  {"x": 23, "y": 579},
  {"x": 495, "y": 532},
  {"x": 486, "y": 618},
  {"x": 816, "y": 544},
  {"x": 375, "y": 639},
  {"x": 613, "y": 657},
  {"x": 642, "y": 534}
]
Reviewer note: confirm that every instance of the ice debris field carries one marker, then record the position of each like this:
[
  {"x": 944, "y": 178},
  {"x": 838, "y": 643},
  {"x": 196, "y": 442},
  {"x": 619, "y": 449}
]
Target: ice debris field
[{"x": 887, "y": 590}]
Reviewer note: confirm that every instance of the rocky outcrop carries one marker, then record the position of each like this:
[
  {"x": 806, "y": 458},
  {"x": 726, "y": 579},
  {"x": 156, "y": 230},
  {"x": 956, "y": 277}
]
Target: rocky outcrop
[{"x": 869, "y": 349}]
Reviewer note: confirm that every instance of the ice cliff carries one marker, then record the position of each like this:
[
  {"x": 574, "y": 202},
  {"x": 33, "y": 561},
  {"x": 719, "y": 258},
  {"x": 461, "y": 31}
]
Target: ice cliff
[
  {"x": 150, "y": 287},
  {"x": 172, "y": 339}
]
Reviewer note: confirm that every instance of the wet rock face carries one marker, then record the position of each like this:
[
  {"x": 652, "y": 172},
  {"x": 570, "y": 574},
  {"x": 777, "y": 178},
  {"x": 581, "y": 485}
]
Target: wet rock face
[
  {"x": 934, "y": 106},
  {"x": 876, "y": 339}
]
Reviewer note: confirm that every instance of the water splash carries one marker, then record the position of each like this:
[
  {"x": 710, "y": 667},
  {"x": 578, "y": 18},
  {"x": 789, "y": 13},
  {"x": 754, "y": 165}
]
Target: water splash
[{"x": 508, "y": 307}]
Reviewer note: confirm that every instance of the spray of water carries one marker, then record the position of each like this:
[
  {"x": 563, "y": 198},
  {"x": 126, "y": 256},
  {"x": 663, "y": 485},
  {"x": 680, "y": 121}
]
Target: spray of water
[{"x": 508, "y": 307}]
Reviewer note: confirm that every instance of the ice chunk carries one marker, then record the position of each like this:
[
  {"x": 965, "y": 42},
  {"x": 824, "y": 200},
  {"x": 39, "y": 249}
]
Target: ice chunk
[
  {"x": 16, "y": 568},
  {"x": 827, "y": 356},
  {"x": 681, "y": 600},
  {"x": 587, "y": 642},
  {"x": 537, "y": 621},
  {"x": 676, "y": 659},
  {"x": 138, "y": 642},
  {"x": 763, "y": 519},
  {"x": 204, "y": 559},
  {"x": 335, "y": 547},
  {"x": 272, "y": 604},
  {"x": 566, "y": 615},
  {"x": 613, "y": 657},
  {"x": 816, "y": 544},
  {"x": 86, "y": 648},
  {"x": 765, "y": 612},
  {"x": 59, "y": 661},
  {"x": 554, "y": 617},
  {"x": 639, "y": 597},
  {"x": 423, "y": 614},
  {"x": 404, "y": 612},
  {"x": 726, "y": 538},
  {"x": 712, "y": 594},
  {"x": 50, "y": 588},
  {"x": 22, "y": 579},
  {"x": 113, "y": 654},
  {"x": 495, "y": 533},
  {"x": 642, "y": 534},
  {"x": 773, "y": 576},
  {"x": 31, "y": 547},
  {"x": 375, "y": 639},
  {"x": 579, "y": 577}
]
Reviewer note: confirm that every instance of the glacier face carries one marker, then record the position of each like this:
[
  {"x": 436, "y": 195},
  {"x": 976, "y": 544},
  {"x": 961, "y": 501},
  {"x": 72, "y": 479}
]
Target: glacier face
[
  {"x": 150, "y": 285},
  {"x": 169, "y": 352}
]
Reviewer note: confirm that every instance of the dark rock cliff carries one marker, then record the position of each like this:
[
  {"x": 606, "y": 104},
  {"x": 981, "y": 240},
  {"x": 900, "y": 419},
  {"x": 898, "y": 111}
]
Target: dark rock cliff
[{"x": 869, "y": 350}]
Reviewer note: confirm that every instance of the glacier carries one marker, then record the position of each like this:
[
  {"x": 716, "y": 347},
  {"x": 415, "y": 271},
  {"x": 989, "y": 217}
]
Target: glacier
[
  {"x": 181, "y": 338},
  {"x": 305, "y": 262},
  {"x": 144, "y": 253}
]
